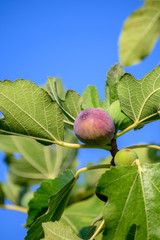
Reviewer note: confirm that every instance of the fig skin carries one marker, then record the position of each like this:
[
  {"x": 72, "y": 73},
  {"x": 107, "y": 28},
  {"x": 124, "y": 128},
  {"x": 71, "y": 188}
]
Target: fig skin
[
  {"x": 94, "y": 126},
  {"x": 125, "y": 157}
]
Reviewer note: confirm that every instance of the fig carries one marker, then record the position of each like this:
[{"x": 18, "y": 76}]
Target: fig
[
  {"x": 94, "y": 126},
  {"x": 125, "y": 157}
]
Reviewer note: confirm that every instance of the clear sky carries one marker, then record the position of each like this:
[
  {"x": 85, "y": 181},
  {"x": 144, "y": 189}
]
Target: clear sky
[{"x": 76, "y": 41}]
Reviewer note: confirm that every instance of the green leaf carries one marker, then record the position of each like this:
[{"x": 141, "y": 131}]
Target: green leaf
[
  {"x": 66, "y": 157},
  {"x": 113, "y": 77},
  {"x": 55, "y": 88},
  {"x": 140, "y": 99},
  {"x": 29, "y": 111},
  {"x": 121, "y": 121},
  {"x": 114, "y": 74},
  {"x": 36, "y": 162},
  {"x": 69, "y": 102},
  {"x": 12, "y": 192},
  {"x": 133, "y": 202},
  {"x": 56, "y": 205},
  {"x": 72, "y": 104},
  {"x": 46, "y": 189},
  {"x": 91, "y": 98},
  {"x": 140, "y": 32},
  {"x": 58, "y": 231},
  {"x": 80, "y": 216}
]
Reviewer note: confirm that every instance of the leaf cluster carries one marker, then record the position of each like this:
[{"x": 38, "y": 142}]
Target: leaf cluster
[{"x": 39, "y": 145}]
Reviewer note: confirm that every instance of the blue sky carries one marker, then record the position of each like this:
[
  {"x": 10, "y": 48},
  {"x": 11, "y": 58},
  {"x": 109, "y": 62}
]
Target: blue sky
[{"x": 76, "y": 41}]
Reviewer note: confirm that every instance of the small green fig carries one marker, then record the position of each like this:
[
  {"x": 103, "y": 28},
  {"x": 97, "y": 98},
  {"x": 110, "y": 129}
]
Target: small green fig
[
  {"x": 125, "y": 157},
  {"x": 94, "y": 126}
]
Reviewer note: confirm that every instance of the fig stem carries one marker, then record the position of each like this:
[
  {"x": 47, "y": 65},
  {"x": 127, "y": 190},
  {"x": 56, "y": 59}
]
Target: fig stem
[
  {"x": 74, "y": 145},
  {"x": 113, "y": 151},
  {"x": 98, "y": 230},
  {"x": 91, "y": 168},
  {"x": 144, "y": 146},
  {"x": 14, "y": 208}
]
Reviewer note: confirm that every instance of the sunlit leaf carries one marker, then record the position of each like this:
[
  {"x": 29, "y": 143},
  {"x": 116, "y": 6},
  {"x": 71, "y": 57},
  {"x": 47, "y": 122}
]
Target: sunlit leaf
[
  {"x": 91, "y": 98},
  {"x": 133, "y": 202},
  {"x": 29, "y": 111},
  {"x": 69, "y": 102},
  {"x": 58, "y": 231},
  {"x": 140, "y": 32},
  {"x": 140, "y": 99}
]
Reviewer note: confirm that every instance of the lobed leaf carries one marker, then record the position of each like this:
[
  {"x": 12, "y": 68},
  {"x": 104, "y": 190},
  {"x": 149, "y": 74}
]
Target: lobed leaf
[
  {"x": 46, "y": 189},
  {"x": 58, "y": 231},
  {"x": 36, "y": 162},
  {"x": 140, "y": 99},
  {"x": 133, "y": 202},
  {"x": 81, "y": 216},
  {"x": 55, "y": 88},
  {"x": 140, "y": 32},
  {"x": 69, "y": 102},
  {"x": 91, "y": 98},
  {"x": 113, "y": 76},
  {"x": 29, "y": 111},
  {"x": 56, "y": 205}
]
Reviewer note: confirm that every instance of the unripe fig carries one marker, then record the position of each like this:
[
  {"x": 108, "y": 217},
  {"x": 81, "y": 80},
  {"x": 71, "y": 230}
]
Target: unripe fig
[
  {"x": 125, "y": 157},
  {"x": 94, "y": 126}
]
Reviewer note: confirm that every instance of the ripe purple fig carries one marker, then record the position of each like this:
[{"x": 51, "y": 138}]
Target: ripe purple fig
[{"x": 94, "y": 126}]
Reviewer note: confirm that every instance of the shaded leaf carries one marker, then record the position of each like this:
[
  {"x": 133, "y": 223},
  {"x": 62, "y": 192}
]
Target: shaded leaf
[
  {"x": 35, "y": 161},
  {"x": 133, "y": 200},
  {"x": 12, "y": 192},
  {"x": 140, "y": 32},
  {"x": 43, "y": 193},
  {"x": 29, "y": 111},
  {"x": 58, "y": 231},
  {"x": 140, "y": 99},
  {"x": 56, "y": 207},
  {"x": 121, "y": 121},
  {"x": 80, "y": 216}
]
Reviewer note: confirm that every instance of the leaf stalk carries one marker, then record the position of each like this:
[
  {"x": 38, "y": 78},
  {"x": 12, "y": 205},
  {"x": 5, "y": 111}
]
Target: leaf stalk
[{"x": 14, "y": 208}]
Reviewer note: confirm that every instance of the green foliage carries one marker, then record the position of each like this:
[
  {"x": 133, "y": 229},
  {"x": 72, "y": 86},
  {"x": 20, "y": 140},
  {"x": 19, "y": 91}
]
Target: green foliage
[
  {"x": 29, "y": 111},
  {"x": 33, "y": 117},
  {"x": 140, "y": 99},
  {"x": 36, "y": 162},
  {"x": 91, "y": 98},
  {"x": 140, "y": 32},
  {"x": 121, "y": 121},
  {"x": 46, "y": 189},
  {"x": 59, "y": 231},
  {"x": 61, "y": 208},
  {"x": 82, "y": 216},
  {"x": 56, "y": 205},
  {"x": 69, "y": 102},
  {"x": 133, "y": 208}
]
